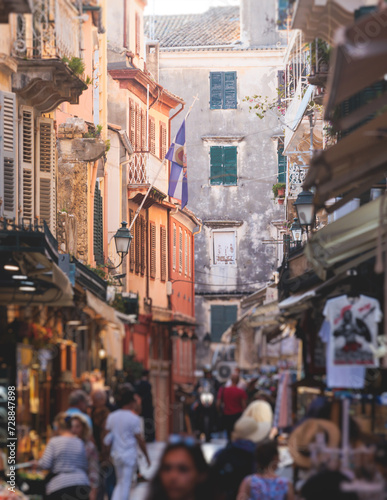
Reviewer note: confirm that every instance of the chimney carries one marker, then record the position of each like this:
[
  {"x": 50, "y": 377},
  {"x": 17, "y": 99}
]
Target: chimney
[
  {"x": 259, "y": 23},
  {"x": 152, "y": 58}
]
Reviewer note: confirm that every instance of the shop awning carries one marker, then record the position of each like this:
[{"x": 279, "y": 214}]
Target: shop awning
[
  {"x": 128, "y": 319},
  {"x": 347, "y": 242},
  {"x": 351, "y": 167},
  {"x": 295, "y": 301},
  {"x": 112, "y": 338},
  {"x": 360, "y": 59}
]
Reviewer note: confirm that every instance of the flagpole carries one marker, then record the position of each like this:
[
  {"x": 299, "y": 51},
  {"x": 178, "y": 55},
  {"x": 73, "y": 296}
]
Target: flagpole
[{"x": 159, "y": 171}]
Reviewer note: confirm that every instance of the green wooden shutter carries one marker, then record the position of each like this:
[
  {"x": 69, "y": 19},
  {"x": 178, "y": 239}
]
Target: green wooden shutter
[
  {"x": 230, "y": 90},
  {"x": 282, "y": 164},
  {"x": 230, "y": 166},
  {"x": 216, "y": 153},
  {"x": 216, "y": 90},
  {"x": 98, "y": 226},
  {"x": 221, "y": 318}
]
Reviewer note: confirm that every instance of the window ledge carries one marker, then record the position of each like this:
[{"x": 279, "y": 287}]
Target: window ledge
[
  {"x": 223, "y": 223},
  {"x": 222, "y": 138}
]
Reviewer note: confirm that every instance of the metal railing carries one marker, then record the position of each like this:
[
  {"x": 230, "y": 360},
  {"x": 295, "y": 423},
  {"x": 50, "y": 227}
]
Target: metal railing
[
  {"x": 138, "y": 171},
  {"x": 51, "y": 30}
]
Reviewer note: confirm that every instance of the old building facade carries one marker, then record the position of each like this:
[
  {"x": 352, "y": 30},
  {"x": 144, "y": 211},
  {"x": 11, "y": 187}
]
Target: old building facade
[{"x": 233, "y": 157}]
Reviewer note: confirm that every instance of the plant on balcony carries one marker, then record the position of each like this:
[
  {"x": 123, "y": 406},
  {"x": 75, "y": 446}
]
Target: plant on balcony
[
  {"x": 76, "y": 64},
  {"x": 321, "y": 63},
  {"x": 93, "y": 132},
  {"x": 279, "y": 190}
]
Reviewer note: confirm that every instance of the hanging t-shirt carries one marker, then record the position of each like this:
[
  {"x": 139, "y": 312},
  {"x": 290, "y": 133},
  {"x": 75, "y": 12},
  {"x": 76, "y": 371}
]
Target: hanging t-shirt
[
  {"x": 354, "y": 329},
  {"x": 343, "y": 377}
]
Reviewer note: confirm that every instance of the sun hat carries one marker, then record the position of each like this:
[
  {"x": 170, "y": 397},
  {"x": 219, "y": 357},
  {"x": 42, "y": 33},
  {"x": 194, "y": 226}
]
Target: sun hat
[
  {"x": 305, "y": 435},
  {"x": 249, "y": 429},
  {"x": 260, "y": 411}
]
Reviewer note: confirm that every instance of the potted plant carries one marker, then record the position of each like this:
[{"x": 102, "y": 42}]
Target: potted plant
[{"x": 279, "y": 190}]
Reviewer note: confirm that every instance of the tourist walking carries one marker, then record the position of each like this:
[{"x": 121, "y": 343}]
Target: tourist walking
[
  {"x": 124, "y": 433},
  {"x": 265, "y": 484},
  {"x": 81, "y": 429},
  {"x": 231, "y": 402},
  {"x": 65, "y": 459}
]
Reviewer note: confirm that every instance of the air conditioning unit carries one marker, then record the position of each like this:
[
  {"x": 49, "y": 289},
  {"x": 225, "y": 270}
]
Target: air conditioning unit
[
  {"x": 169, "y": 288},
  {"x": 225, "y": 370}
]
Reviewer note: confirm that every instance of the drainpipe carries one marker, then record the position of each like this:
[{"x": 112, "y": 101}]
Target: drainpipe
[{"x": 91, "y": 219}]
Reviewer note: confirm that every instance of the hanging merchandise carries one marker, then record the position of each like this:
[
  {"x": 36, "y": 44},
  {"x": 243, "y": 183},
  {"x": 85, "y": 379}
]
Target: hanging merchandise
[
  {"x": 343, "y": 377},
  {"x": 354, "y": 327},
  {"x": 283, "y": 406}
]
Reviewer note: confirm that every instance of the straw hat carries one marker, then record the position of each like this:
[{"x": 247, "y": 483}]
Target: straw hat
[
  {"x": 305, "y": 434},
  {"x": 260, "y": 411},
  {"x": 249, "y": 429},
  {"x": 83, "y": 419}
]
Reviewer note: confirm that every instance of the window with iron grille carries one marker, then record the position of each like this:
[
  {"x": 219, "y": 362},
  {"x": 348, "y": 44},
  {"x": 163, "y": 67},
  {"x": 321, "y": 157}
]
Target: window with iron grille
[
  {"x": 143, "y": 245},
  {"x": 180, "y": 250},
  {"x": 98, "y": 226},
  {"x": 174, "y": 247},
  {"x": 131, "y": 250},
  {"x": 163, "y": 253},
  {"x": 153, "y": 250},
  {"x": 163, "y": 140},
  {"x": 152, "y": 135},
  {"x": 223, "y": 90}
]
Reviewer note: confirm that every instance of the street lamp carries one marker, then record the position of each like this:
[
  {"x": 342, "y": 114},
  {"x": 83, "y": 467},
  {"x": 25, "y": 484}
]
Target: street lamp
[
  {"x": 122, "y": 239},
  {"x": 296, "y": 230},
  {"x": 207, "y": 340},
  {"x": 305, "y": 208}
]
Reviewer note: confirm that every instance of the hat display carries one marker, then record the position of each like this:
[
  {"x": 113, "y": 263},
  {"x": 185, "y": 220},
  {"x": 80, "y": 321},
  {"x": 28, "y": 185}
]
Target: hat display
[
  {"x": 260, "y": 411},
  {"x": 249, "y": 429},
  {"x": 305, "y": 435}
]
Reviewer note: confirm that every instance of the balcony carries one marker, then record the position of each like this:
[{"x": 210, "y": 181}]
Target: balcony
[
  {"x": 143, "y": 169},
  {"x": 41, "y": 41}
]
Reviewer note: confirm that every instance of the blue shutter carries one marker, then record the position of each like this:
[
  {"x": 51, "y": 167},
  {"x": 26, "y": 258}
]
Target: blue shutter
[
  {"x": 216, "y": 90},
  {"x": 230, "y": 166},
  {"x": 282, "y": 164},
  {"x": 221, "y": 318},
  {"x": 230, "y": 90},
  {"x": 216, "y": 174}
]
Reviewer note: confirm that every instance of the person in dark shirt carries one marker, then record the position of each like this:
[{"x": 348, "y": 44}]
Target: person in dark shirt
[{"x": 144, "y": 390}]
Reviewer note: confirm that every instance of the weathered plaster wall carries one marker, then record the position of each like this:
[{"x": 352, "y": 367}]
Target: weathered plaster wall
[
  {"x": 251, "y": 201},
  {"x": 258, "y": 23}
]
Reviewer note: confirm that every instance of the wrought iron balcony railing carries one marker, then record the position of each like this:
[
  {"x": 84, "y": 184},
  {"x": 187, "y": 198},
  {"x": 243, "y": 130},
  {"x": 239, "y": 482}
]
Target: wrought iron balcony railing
[
  {"x": 52, "y": 30},
  {"x": 144, "y": 168}
]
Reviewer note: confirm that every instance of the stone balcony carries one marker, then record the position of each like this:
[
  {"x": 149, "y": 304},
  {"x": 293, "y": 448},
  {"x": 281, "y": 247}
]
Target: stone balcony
[{"x": 41, "y": 43}]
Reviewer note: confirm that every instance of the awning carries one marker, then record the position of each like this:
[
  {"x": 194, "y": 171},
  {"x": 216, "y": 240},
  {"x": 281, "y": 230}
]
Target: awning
[
  {"x": 352, "y": 166},
  {"x": 112, "y": 338},
  {"x": 349, "y": 241},
  {"x": 360, "y": 59},
  {"x": 297, "y": 300},
  {"x": 128, "y": 319},
  {"x": 101, "y": 309}
]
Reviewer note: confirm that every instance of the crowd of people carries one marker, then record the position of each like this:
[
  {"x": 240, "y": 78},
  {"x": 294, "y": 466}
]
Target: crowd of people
[{"x": 94, "y": 452}]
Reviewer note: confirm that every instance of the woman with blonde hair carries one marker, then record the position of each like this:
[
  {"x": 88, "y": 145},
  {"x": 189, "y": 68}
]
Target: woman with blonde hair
[
  {"x": 81, "y": 429},
  {"x": 65, "y": 459}
]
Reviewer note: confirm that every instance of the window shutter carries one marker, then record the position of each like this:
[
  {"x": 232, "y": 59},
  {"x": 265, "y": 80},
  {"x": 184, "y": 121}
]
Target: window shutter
[
  {"x": 282, "y": 165},
  {"x": 138, "y": 128},
  {"x": 216, "y": 90},
  {"x": 221, "y": 318},
  {"x": 189, "y": 257},
  {"x": 132, "y": 123},
  {"x": 163, "y": 140},
  {"x": 230, "y": 90},
  {"x": 180, "y": 250},
  {"x": 216, "y": 174},
  {"x": 8, "y": 121},
  {"x": 230, "y": 166},
  {"x": 143, "y": 130},
  {"x": 26, "y": 155},
  {"x": 153, "y": 251},
  {"x": 131, "y": 251},
  {"x": 143, "y": 245},
  {"x": 163, "y": 253},
  {"x": 137, "y": 241},
  {"x": 185, "y": 253},
  {"x": 174, "y": 247},
  {"x": 152, "y": 135},
  {"x": 98, "y": 226},
  {"x": 45, "y": 173}
]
